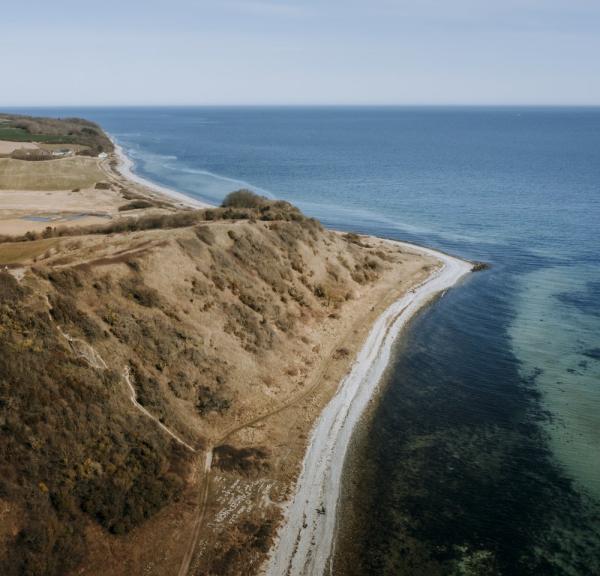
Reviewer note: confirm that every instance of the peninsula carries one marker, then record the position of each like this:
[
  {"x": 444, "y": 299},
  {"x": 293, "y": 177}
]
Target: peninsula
[{"x": 179, "y": 382}]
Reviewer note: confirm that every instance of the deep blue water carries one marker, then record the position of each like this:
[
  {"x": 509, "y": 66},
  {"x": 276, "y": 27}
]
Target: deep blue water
[{"x": 483, "y": 454}]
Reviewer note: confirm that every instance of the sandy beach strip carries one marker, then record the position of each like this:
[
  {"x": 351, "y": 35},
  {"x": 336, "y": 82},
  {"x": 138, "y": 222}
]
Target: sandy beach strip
[
  {"x": 125, "y": 167},
  {"x": 306, "y": 539}
]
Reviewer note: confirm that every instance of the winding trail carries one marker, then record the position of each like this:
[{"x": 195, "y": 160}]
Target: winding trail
[
  {"x": 95, "y": 360},
  {"x": 134, "y": 400},
  {"x": 234, "y": 429},
  {"x": 307, "y": 538},
  {"x": 86, "y": 351}
]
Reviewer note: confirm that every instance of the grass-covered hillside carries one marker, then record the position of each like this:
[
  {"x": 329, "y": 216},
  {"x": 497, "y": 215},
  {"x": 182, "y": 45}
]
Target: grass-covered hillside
[
  {"x": 18, "y": 128},
  {"x": 199, "y": 311}
]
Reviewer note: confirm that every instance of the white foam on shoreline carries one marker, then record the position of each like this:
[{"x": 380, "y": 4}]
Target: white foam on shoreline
[
  {"x": 125, "y": 167},
  {"x": 235, "y": 181},
  {"x": 306, "y": 539}
]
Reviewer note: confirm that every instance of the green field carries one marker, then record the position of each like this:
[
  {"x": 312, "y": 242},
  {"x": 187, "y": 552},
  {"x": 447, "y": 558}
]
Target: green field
[{"x": 13, "y": 134}]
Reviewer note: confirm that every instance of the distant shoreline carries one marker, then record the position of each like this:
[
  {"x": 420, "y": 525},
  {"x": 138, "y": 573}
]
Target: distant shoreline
[{"x": 125, "y": 167}]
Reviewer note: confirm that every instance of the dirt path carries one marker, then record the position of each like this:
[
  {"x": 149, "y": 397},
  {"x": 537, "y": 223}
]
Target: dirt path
[
  {"x": 201, "y": 512},
  {"x": 83, "y": 350},
  {"x": 86, "y": 351},
  {"x": 134, "y": 400},
  {"x": 205, "y": 483}
]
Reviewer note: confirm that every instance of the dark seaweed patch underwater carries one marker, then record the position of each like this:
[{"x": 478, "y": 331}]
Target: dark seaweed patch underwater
[{"x": 452, "y": 472}]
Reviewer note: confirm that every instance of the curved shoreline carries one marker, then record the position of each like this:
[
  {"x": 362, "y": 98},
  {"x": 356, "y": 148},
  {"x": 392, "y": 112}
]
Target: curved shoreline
[
  {"x": 305, "y": 541},
  {"x": 125, "y": 167}
]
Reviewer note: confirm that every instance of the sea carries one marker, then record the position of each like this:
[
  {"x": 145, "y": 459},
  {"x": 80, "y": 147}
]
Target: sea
[{"x": 481, "y": 454}]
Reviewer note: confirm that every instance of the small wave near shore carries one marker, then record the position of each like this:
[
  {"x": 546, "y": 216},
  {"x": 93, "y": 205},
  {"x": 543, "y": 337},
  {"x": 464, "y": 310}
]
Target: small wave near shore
[{"x": 125, "y": 167}]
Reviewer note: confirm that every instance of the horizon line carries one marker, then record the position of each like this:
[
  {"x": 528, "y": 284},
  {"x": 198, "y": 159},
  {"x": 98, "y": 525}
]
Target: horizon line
[{"x": 307, "y": 105}]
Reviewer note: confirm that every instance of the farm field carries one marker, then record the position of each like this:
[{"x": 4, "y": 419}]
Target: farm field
[{"x": 63, "y": 174}]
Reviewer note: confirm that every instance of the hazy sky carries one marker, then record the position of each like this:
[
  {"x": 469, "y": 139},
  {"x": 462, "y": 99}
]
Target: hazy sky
[{"x": 299, "y": 52}]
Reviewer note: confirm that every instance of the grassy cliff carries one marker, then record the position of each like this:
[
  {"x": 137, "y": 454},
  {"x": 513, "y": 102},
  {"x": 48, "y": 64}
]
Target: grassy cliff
[{"x": 201, "y": 311}]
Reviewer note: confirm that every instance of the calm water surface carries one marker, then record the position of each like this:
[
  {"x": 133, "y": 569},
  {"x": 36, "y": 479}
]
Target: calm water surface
[{"x": 482, "y": 456}]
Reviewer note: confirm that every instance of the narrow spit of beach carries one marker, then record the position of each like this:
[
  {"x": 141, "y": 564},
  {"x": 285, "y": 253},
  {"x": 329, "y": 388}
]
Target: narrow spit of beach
[{"x": 306, "y": 540}]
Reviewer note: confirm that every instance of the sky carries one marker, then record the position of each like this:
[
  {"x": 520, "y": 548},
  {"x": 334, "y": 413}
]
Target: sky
[{"x": 309, "y": 52}]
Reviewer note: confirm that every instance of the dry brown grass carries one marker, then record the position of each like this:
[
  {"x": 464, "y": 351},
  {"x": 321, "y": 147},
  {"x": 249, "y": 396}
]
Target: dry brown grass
[
  {"x": 63, "y": 174},
  {"x": 23, "y": 252},
  {"x": 219, "y": 324}
]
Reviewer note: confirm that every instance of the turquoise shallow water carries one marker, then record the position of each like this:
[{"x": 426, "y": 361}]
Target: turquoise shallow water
[{"x": 483, "y": 454}]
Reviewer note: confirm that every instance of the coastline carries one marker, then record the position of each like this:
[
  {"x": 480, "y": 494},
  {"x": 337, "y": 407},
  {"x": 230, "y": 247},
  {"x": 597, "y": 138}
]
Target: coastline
[
  {"x": 305, "y": 541},
  {"x": 125, "y": 167},
  {"x": 461, "y": 393}
]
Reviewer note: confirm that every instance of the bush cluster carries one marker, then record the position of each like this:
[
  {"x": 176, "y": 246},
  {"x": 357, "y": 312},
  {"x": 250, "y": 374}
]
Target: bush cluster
[
  {"x": 58, "y": 130},
  {"x": 210, "y": 400},
  {"x": 243, "y": 199},
  {"x": 136, "y": 205},
  {"x": 244, "y": 460},
  {"x": 70, "y": 452}
]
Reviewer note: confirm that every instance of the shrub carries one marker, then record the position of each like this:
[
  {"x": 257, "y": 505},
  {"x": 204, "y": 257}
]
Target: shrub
[
  {"x": 211, "y": 401},
  {"x": 243, "y": 460},
  {"x": 353, "y": 238},
  {"x": 341, "y": 353},
  {"x": 205, "y": 234},
  {"x": 10, "y": 290},
  {"x": 230, "y": 214},
  {"x": 244, "y": 199},
  {"x": 65, "y": 311},
  {"x": 148, "y": 391},
  {"x": 67, "y": 279},
  {"x": 246, "y": 325},
  {"x": 136, "y": 205},
  {"x": 134, "y": 264},
  {"x": 135, "y": 289}
]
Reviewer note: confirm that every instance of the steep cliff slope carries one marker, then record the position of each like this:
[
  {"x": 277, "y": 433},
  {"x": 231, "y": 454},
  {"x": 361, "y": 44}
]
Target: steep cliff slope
[{"x": 125, "y": 354}]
